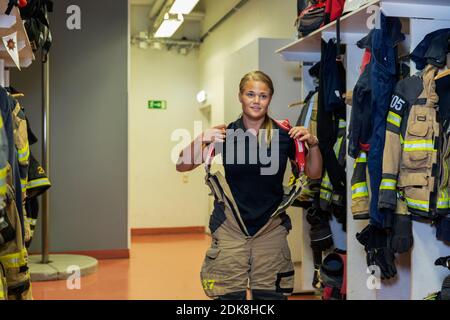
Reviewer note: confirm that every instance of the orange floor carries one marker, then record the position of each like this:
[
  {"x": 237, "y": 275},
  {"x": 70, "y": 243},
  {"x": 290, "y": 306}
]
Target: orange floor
[{"x": 159, "y": 268}]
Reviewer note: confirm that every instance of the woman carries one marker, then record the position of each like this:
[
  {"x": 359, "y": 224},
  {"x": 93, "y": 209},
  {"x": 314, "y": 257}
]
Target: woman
[{"x": 249, "y": 225}]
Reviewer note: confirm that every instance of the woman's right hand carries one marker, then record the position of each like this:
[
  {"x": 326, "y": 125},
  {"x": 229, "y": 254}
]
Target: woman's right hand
[{"x": 214, "y": 134}]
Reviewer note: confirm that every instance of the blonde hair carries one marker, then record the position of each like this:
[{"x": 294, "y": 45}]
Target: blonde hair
[{"x": 264, "y": 78}]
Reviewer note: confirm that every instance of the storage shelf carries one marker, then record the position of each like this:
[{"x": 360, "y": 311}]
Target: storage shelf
[
  {"x": 355, "y": 23},
  {"x": 308, "y": 48},
  {"x": 426, "y": 9}
]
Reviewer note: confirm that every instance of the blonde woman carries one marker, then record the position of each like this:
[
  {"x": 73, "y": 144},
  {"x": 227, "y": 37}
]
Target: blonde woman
[{"x": 249, "y": 225}]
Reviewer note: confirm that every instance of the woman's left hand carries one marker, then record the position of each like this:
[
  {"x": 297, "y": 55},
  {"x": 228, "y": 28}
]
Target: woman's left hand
[{"x": 303, "y": 134}]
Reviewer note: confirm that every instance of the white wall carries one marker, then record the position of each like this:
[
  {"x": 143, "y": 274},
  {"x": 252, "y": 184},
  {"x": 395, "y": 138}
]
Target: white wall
[
  {"x": 158, "y": 197},
  {"x": 256, "y": 19}
]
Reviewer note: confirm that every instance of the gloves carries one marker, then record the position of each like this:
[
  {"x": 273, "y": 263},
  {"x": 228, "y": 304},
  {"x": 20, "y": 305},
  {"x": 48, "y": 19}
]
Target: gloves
[
  {"x": 374, "y": 241},
  {"x": 443, "y": 261},
  {"x": 401, "y": 238},
  {"x": 320, "y": 232},
  {"x": 384, "y": 259}
]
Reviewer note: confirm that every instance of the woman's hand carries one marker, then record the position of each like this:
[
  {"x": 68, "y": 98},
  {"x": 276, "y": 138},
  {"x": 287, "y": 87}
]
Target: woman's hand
[
  {"x": 303, "y": 134},
  {"x": 214, "y": 134}
]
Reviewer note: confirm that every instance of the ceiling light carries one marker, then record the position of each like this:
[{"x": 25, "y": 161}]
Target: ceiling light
[
  {"x": 183, "y": 6},
  {"x": 201, "y": 96},
  {"x": 169, "y": 25}
]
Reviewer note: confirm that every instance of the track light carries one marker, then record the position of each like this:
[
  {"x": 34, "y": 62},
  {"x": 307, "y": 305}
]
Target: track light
[{"x": 183, "y": 6}]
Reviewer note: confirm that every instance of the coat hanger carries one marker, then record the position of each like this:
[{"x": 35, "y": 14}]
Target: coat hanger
[
  {"x": 298, "y": 103},
  {"x": 442, "y": 74}
]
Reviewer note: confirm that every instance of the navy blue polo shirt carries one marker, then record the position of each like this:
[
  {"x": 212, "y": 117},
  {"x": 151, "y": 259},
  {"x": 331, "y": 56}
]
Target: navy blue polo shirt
[{"x": 255, "y": 172}]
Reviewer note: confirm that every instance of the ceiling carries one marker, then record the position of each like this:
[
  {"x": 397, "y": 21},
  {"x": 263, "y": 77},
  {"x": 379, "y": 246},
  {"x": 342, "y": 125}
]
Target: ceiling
[{"x": 142, "y": 2}]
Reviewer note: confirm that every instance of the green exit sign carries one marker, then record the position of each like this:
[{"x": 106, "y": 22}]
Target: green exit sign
[{"x": 157, "y": 104}]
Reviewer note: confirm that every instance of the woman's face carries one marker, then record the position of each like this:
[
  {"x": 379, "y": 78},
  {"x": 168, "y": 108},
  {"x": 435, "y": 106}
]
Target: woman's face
[{"x": 255, "y": 99}]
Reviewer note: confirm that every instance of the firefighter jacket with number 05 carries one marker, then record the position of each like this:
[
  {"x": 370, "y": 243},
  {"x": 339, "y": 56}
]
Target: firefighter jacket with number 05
[{"x": 412, "y": 157}]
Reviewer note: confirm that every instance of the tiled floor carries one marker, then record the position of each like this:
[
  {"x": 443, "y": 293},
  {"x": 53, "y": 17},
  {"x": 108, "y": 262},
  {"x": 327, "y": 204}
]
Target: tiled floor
[{"x": 159, "y": 268}]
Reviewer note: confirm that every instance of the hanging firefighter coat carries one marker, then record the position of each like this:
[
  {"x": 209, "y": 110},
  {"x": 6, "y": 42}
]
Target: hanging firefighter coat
[{"x": 412, "y": 161}]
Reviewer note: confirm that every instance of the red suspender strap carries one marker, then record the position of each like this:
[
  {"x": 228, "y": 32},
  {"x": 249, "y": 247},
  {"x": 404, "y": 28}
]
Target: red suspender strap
[{"x": 300, "y": 149}]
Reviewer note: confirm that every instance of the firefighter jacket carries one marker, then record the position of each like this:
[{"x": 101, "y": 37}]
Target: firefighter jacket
[
  {"x": 328, "y": 195},
  {"x": 414, "y": 168},
  {"x": 13, "y": 254},
  {"x": 320, "y": 189},
  {"x": 38, "y": 183}
]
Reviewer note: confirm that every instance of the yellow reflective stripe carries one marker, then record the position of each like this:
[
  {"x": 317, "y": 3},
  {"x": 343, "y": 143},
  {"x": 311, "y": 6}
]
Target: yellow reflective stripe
[
  {"x": 443, "y": 200},
  {"x": 443, "y": 204},
  {"x": 356, "y": 194},
  {"x": 326, "y": 183},
  {"x": 23, "y": 184},
  {"x": 338, "y": 145},
  {"x": 38, "y": 183},
  {"x": 418, "y": 204},
  {"x": 360, "y": 195},
  {"x": 24, "y": 153},
  {"x": 3, "y": 173},
  {"x": 31, "y": 221},
  {"x": 291, "y": 180},
  {"x": 418, "y": 145},
  {"x": 362, "y": 158},
  {"x": 359, "y": 185},
  {"x": 394, "y": 119},
  {"x": 388, "y": 184},
  {"x": 308, "y": 191},
  {"x": 401, "y": 139},
  {"x": 360, "y": 190},
  {"x": 342, "y": 124},
  {"x": 1, "y": 122},
  {"x": 14, "y": 260},
  {"x": 326, "y": 195}
]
